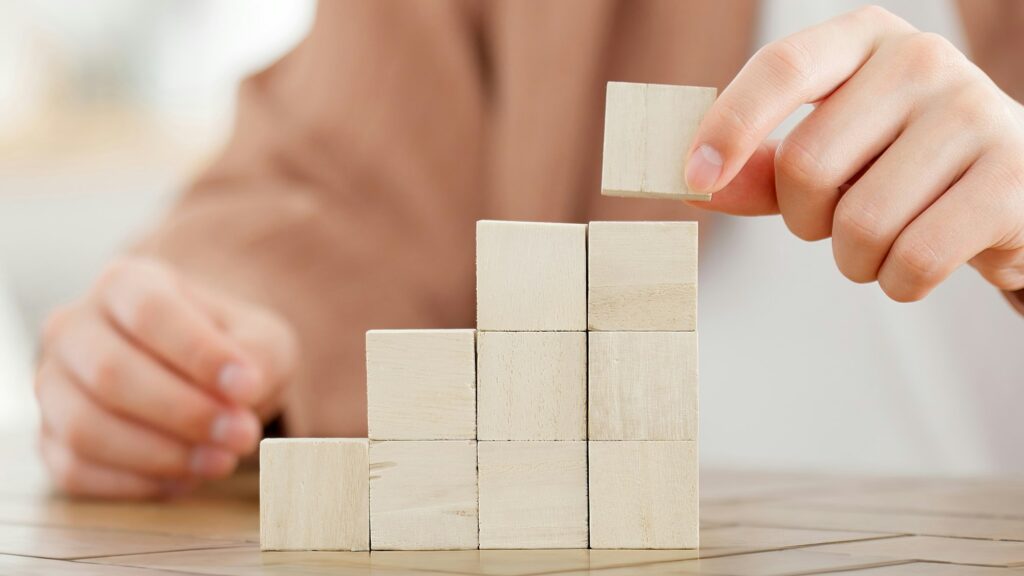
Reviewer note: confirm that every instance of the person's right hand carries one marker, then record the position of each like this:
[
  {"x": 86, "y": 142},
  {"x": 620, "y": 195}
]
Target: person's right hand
[{"x": 151, "y": 383}]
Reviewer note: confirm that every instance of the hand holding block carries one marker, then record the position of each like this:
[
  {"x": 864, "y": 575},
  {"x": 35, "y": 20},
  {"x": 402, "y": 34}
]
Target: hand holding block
[
  {"x": 532, "y": 385},
  {"x": 643, "y": 495},
  {"x": 648, "y": 129},
  {"x": 643, "y": 386},
  {"x": 421, "y": 384},
  {"x": 533, "y": 494},
  {"x": 423, "y": 495},
  {"x": 642, "y": 276},
  {"x": 314, "y": 494},
  {"x": 531, "y": 276}
]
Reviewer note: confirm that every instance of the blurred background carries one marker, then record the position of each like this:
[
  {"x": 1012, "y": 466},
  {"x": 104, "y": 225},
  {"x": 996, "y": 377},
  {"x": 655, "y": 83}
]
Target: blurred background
[{"x": 107, "y": 108}]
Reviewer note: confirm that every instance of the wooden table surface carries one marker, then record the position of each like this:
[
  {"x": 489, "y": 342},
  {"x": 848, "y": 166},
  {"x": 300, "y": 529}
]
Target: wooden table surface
[{"x": 753, "y": 524}]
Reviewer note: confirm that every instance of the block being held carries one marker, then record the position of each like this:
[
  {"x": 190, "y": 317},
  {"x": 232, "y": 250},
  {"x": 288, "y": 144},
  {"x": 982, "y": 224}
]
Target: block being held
[{"x": 648, "y": 130}]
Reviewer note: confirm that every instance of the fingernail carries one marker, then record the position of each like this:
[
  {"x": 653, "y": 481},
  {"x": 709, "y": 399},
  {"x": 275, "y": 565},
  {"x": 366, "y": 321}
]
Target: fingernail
[
  {"x": 235, "y": 430},
  {"x": 703, "y": 169},
  {"x": 211, "y": 462},
  {"x": 237, "y": 382}
]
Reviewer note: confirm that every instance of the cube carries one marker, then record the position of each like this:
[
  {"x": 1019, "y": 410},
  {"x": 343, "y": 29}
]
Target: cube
[
  {"x": 642, "y": 276},
  {"x": 643, "y": 495},
  {"x": 533, "y": 494},
  {"x": 643, "y": 386},
  {"x": 532, "y": 385},
  {"x": 648, "y": 131},
  {"x": 314, "y": 494},
  {"x": 531, "y": 276},
  {"x": 423, "y": 495},
  {"x": 421, "y": 384}
]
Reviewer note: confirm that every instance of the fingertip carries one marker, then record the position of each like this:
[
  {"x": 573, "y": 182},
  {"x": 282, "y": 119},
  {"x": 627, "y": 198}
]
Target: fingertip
[
  {"x": 703, "y": 168},
  {"x": 236, "y": 430}
]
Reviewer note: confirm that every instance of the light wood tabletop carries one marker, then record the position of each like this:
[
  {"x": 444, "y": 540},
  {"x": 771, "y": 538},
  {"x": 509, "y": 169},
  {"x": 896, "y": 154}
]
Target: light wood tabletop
[{"x": 753, "y": 524}]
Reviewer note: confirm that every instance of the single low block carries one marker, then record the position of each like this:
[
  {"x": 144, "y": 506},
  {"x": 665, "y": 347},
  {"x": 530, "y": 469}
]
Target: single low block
[
  {"x": 423, "y": 495},
  {"x": 643, "y": 386},
  {"x": 314, "y": 494},
  {"x": 531, "y": 276},
  {"x": 642, "y": 276},
  {"x": 648, "y": 130},
  {"x": 532, "y": 385},
  {"x": 421, "y": 384},
  {"x": 533, "y": 494},
  {"x": 643, "y": 495}
]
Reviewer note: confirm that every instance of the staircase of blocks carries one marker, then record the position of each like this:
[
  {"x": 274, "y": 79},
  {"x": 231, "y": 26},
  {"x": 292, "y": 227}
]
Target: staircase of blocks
[{"x": 567, "y": 419}]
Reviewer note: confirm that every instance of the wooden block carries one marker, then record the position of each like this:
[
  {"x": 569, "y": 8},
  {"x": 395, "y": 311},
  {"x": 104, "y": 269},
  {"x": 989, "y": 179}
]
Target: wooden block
[
  {"x": 643, "y": 494},
  {"x": 642, "y": 276},
  {"x": 314, "y": 494},
  {"x": 532, "y": 385},
  {"x": 421, "y": 384},
  {"x": 643, "y": 386},
  {"x": 648, "y": 130},
  {"x": 533, "y": 494},
  {"x": 531, "y": 276},
  {"x": 423, "y": 495}
]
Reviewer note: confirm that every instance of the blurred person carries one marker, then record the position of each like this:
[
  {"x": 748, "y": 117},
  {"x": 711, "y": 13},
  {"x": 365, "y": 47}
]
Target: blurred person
[{"x": 347, "y": 197}]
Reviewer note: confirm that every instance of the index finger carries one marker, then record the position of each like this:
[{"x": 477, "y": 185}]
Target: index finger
[
  {"x": 803, "y": 68},
  {"x": 144, "y": 302}
]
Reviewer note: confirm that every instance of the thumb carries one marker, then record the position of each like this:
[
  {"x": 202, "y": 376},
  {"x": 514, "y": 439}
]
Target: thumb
[{"x": 752, "y": 191}]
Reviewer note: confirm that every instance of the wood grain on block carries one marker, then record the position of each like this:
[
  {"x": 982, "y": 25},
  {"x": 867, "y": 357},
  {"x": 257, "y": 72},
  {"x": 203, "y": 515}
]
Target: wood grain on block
[
  {"x": 421, "y": 384},
  {"x": 532, "y": 385},
  {"x": 643, "y": 494},
  {"x": 642, "y": 386},
  {"x": 423, "y": 495},
  {"x": 314, "y": 494},
  {"x": 648, "y": 130},
  {"x": 642, "y": 276},
  {"x": 531, "y": 276},
  {"x": 533, "y": 494}
]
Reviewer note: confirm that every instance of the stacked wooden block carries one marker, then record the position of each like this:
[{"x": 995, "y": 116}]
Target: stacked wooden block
[{"x": 567, "y": 419}]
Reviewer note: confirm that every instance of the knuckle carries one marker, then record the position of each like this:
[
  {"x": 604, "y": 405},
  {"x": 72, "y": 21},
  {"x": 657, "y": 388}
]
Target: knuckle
[
  {"x": 874, "y": 13},
  {"x": 104, "y": 375},
  {"x": 859, "y": 226},
  {"x": 77, "y": 433},
  {"x": 116, "y": 272},
  {"x": 146, "y": 314},
  {"x": 738, "y": 120},
  {"x": 918, "y": 268},
  {"x": 973, "y": 106},
  {"x": 800, "y": 166},
  {"x": 789, "y": 62},
  {"x": 803, "y": 228},
  {"x": 899, "y": 292},
  {"x": 927, "y": 54},
  {"x": 204, "y": 356},
  {"x": 55, "y": 323}
]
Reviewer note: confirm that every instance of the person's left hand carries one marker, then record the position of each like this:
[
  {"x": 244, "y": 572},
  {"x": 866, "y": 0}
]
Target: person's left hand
[{"x": 912, "y": 160}]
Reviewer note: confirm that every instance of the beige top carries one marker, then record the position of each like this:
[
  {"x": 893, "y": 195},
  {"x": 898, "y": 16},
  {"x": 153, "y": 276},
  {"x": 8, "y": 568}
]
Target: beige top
[{"x": 347, "y": 197}]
